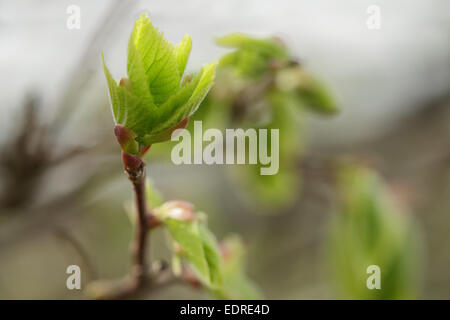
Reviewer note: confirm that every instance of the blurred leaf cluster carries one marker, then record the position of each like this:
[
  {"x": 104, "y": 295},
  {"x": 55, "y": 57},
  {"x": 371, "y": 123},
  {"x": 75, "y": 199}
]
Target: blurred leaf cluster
[
  {"x": 219, "y": 267},
  {"x": 261, "y": 85},
  {"x": 236, "y": 284},
  {"x": 370, "y": 228}
]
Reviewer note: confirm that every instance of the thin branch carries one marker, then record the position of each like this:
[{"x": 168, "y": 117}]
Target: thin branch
[
  {"x": 139, "y": 266},
  {"x": 129, "y": 287},
  {"x": 63, "y": 234},
  {"x": 138, "y": 278}
]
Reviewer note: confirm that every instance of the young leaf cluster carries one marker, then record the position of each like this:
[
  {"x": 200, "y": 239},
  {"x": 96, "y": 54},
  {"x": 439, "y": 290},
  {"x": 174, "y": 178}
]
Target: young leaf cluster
[
  {"x": 369, "y": 228},
  {"x": 156, "y": 96},
  {"x": 219, "y": 267}
]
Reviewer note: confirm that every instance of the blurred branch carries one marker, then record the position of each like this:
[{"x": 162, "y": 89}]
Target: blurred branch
[
  {"x": 129, "y": 287},
  {"x": 88, "y": 63},
  {"x": 138, "y": 276},
  {"x": 24, "y": 159},
  {"x": 61, "y": 233},
  {"x": 39, "y": 218},
  {"x": 34, "y": 151}
]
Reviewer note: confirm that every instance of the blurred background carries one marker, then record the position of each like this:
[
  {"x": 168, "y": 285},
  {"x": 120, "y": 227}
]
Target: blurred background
[{"x": 62, "y": 189}]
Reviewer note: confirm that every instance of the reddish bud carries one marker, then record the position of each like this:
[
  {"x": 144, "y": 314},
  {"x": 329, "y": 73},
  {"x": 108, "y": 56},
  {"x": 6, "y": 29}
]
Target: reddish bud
[
  {"x": 126, "y": 138},
  {"x": 131, "y": 162}
]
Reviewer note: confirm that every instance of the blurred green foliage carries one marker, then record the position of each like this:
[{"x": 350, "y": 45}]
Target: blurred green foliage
[
  {"x": 193, "y": 241},
  {"x": 260, "y": 85},
  {"x": 370, "y": 228},
  {"x": 236, "y": 284},
  {"x": 253, "y": 56},
  {"x": 219, "y": 266}
]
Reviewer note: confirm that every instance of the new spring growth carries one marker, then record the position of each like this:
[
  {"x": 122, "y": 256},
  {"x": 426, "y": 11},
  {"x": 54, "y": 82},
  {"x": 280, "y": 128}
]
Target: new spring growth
[
  {"x": 256, "y": 58},
  {"x": 157, "y": 97},
  {"x": 176, "y": 209}
]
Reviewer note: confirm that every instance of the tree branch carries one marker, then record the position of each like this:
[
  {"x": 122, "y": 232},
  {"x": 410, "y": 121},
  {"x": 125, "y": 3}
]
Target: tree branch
[
  {"x": 141, "y": 277},
  {"x": 135, "y": 170}
]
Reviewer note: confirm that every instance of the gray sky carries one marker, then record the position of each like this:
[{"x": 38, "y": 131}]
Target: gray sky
[{"x": 377, "y": 75}]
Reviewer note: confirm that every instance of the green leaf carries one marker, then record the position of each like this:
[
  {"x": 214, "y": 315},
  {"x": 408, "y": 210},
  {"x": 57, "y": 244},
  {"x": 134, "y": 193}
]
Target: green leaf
[
  {"x": 307, "y": 90},
  {"x": 264, "y": 46},
  {"x": 317, "y": 97},
  {"x": 236, "y": 284},
  {"x": 199, "y": 246},
  {"x": 128, "y": 110},
  {"x": 272, "y": 192},
  {"x": 212, "y": 255},
  {"x": 182, "y": 51},
  {"x": 185, "y": 102},
  {"x": 155, "y": 56},
  {"x": 115, "y": 94},
  {"x": 233, "y": 40},
  {"x": 137, "y": 76},
  {"x": 201, "y": 90},
  {"x": 253, "y": 56},
  {"x": 187, "y": 236}
]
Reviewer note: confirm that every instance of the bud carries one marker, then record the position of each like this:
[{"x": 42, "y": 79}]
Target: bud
[
  {"x": 126, "y": 139},
  {"x": 176, "y": 209},
  {"x": 131, "y": 162}
]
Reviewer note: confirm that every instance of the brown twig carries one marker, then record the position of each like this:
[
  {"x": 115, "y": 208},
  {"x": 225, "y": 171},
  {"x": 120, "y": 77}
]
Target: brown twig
[
  {"x": 141, "y": 277},
  {"x": 131, "y": 287},
  {"x": 135, "y": 170}
]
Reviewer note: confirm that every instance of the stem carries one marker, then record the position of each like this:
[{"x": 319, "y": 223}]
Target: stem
[
  {"x": 137, "y": 279},
  {"x": 139, "y": 245},
  {"x": 135, "y": 170}
]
